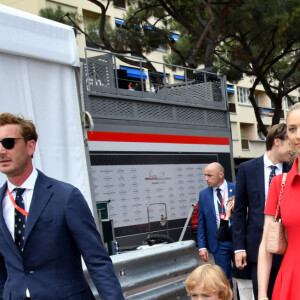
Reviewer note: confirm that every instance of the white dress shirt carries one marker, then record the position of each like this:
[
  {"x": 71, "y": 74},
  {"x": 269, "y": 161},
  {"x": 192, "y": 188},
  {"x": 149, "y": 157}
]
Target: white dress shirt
[
  {"x": 224, "y": 192},
  {"x": 9, "y": 209},
  {"x": 267, "y": 169}
]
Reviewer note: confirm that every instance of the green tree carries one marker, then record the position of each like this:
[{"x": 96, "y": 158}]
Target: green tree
[
  {"x": 264, "y": 44},
  {"x": 69, "y": 18},
  {"x": 150, "y": 24},
  {"x": 256, "y": 38}
]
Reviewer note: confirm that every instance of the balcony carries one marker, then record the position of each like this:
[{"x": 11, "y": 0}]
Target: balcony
[
  {"x": 107, "y": 73},
  {"x": 248, "y": 148}
]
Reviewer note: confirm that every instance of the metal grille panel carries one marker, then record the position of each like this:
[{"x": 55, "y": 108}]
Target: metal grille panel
[
  {"x": 200, "y": 92},
  {"x": 112, "y": 108},
  {"x": 190, "y": 115},
  {"x": 99, "y": 71},
  {"x": 208, "y": 91},
  {"x": 104, "y": 108},
  {"x": 154, "y": 111},
  {"x": 216, "y": 92},
  {"x": 216, "y": 118}
]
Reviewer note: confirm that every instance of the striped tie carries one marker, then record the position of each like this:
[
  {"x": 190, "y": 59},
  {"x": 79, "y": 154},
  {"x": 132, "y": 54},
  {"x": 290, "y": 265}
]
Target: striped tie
[{"x": 220, "y": 200}]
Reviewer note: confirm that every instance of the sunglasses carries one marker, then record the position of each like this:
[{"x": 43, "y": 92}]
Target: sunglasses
[{"x": 9, "y": 143}]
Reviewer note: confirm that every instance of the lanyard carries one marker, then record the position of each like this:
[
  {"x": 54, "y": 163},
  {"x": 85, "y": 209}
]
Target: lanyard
[
  {"x": 21, "y": 210},
  {"x": 223, "y": 200}
]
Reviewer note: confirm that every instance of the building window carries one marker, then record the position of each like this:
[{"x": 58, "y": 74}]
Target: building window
[
  {"x": 231, "y": 107},
  {"x": 120, "y": 3},
  {"x": 243, "y": 95},
  {"x": 289, "y": 103}
]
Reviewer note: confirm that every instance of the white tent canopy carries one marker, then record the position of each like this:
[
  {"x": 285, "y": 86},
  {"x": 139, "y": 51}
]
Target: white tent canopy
[
  {"x": 38, "y": 81},
  {"x": 28, "y": 35}
]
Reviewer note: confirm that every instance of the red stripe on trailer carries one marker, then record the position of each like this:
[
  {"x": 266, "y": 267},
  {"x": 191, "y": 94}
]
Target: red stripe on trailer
[{"x": 100, "y": 136}]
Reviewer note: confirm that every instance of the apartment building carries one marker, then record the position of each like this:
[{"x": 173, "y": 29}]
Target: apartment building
[{"x": 247, "y": 141}]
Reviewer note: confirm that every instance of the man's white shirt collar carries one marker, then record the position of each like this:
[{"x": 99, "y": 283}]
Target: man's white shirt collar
[
  {"x": 268, "y": 163},
  {"x": 221, "y": 187},
  {"x": 28, "y": 184}
]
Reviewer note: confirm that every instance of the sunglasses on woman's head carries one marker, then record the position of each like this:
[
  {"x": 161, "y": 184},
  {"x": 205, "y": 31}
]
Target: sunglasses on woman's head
[{"x": 9, "y": 143}]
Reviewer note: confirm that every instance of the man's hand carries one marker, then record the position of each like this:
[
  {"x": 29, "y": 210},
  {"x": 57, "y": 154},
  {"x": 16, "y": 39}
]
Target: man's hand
[
  {"x": 204, "y": 255},
  {"x": 241, "y": 259}
]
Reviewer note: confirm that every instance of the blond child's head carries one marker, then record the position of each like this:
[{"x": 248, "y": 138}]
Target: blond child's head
[{"x": 210, "y": 282}]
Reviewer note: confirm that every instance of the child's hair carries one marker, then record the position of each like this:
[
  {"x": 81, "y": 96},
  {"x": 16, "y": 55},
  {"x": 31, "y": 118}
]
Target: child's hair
[{"x": 212, "y": 279}]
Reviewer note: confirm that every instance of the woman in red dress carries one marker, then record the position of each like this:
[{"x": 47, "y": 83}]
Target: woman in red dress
[{"x": 287, "y": 284}]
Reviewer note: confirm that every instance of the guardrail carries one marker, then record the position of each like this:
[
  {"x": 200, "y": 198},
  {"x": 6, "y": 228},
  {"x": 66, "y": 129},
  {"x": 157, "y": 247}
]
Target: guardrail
[{"x": 141, "y": 268}]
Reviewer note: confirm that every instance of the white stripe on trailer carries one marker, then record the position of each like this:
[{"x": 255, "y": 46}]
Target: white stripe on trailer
[{"x": 156, "y": 147}]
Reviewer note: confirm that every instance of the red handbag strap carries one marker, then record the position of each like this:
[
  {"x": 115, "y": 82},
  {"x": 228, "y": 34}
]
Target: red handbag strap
[{"x": 278, "y": 203}]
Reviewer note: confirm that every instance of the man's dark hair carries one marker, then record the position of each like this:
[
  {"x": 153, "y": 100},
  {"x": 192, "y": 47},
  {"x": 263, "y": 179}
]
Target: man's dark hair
[
  {"x": 277, "y": 131},
  {"x": 28, "y": 130}
]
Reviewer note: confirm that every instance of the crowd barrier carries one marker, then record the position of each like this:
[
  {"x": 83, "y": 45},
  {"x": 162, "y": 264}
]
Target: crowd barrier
[{"x": 153, "y": 272}]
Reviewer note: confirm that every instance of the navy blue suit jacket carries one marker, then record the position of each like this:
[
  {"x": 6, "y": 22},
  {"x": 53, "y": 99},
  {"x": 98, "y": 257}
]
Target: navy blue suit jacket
[
  {"x": 59, "y": 229},
  {"x": 207, "y": 226},
  {"x": 250, "y": 195}
]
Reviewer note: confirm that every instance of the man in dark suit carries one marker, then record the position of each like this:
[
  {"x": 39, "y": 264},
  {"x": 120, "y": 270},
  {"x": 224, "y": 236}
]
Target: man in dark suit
[
  {"x": 212, "y": 208},
  {"x": 45, "y": 228},
  {"x": 252, "y": 187}
]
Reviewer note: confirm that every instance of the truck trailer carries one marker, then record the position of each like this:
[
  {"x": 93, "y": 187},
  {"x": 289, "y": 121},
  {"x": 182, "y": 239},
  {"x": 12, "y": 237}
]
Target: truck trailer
[{"x": 137, "y": 154}]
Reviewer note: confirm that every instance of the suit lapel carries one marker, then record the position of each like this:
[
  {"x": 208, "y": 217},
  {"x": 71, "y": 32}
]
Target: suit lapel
[
  {"x": 230, "y": 189},
  {"x": 3, "y": 226},
  {"x": 260, "y": 178},
  {"x": 41, "y": 196},
  {"x": 212, "y": 203}
]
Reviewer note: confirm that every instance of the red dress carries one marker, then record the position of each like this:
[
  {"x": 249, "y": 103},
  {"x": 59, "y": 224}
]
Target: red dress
[{"x": 287, "y": 285}]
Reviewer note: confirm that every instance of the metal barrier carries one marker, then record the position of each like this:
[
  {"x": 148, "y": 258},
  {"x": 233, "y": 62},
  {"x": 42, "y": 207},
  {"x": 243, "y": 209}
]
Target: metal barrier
[
  {"x": 170, "y": 291},
  {"x": 151, "y": 266}
]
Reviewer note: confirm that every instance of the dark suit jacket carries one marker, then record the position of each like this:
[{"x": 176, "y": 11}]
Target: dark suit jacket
[
  {"x": 207, "y": 227},
  {"x": 225, "y": 234},
  {"x": 250, "y": 194},
  {"x": 59, "y": 229}
]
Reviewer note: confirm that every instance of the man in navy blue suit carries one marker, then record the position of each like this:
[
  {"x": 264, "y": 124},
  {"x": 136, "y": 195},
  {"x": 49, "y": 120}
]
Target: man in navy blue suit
[
  {"x": 45, "y": 228},
  {"x": 252, "y": 187},
  {"x": 212, "y": 208}
]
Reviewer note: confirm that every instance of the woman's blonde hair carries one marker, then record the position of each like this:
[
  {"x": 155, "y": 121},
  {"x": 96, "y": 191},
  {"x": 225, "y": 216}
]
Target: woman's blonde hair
[
  {"x": 212, "y": 279},
  {"x": 296, "y": 106}
]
